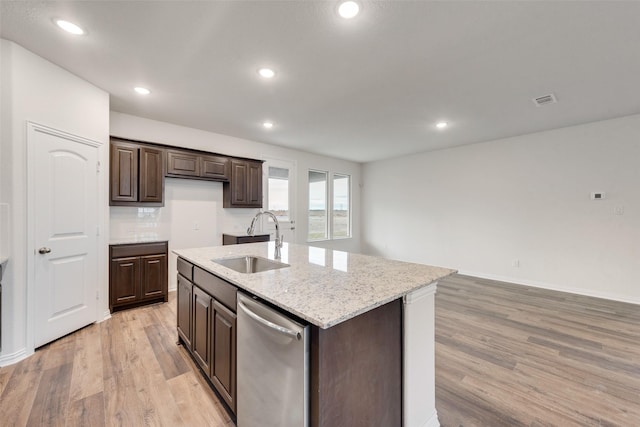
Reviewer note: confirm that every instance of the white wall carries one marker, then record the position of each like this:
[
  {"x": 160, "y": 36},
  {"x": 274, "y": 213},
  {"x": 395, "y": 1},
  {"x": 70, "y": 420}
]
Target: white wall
[
  {"x": 188, "y": 202},
  {"x": 36, "y": 90},
  {"x": 479, "y": 208}
]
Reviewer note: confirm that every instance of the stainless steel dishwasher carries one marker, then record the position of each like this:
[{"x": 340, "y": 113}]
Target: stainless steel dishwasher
[{"x": 273, "y": 365}]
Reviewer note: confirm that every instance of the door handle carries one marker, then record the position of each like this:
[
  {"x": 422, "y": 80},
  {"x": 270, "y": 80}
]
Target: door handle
[{"x": 43, "y": 250}]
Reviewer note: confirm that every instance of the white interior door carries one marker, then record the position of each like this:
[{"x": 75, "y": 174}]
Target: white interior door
[
  {"x": 63, "y": 177},
  {"x": 280, "y": 197}
]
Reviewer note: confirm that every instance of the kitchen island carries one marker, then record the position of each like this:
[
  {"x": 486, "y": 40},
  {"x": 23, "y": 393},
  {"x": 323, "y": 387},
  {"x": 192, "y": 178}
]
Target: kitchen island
[{"x": 372, "y": 326}]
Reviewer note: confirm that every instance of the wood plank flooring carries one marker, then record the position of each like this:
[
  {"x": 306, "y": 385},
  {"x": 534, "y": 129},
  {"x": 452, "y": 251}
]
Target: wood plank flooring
[
  {"x": 509, "y": 355},
  {"x": 506, "y": 355},
  {"x": 126, "y": 371}
]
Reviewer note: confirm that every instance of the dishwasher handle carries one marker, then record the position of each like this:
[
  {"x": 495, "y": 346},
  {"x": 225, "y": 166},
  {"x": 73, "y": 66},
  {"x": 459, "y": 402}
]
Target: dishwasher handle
[{"x": 269, "y": 324}]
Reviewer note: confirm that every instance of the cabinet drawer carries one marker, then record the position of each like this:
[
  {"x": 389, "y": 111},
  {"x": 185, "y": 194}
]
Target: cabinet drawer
[
  {"x": 182, "y": 164},
  {"x": 138, "y": 249},
  {"x": 220, "y": 289},
  {"x": 185, "y": 268}
]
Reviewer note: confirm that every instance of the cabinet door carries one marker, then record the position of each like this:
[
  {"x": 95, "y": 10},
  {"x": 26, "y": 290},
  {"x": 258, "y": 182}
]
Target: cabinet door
[
  {"x": 185, "y": 295},
  {"x": 254, "y": 184},
  {"x": 125, "y": 280},
  {"x": 214, "y": 167},
  {"x": 183, "y": 164},
  {"x": 201, "y": 332},
  {"x": 154, "y": 276},
  {"x": 239, "y": 172},
  {"x": 151, "y": 175},
  {"x": 124, "y": 172},
  {"x": 223, "y": 355}
]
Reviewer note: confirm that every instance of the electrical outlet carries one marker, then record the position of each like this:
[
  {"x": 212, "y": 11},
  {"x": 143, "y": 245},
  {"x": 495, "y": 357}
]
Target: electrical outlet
[
  {"x": 516, "y": 263},
  {"x": 196, "y": 226},
  {"x": 618, "y": 210}
]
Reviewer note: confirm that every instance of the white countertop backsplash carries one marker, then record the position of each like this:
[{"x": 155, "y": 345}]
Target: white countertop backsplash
[{"x": 323, "y": 286}]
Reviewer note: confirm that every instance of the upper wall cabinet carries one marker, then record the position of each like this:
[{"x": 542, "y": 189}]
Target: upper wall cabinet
[
  {"x": 244, "y": 190},
  {"x": 194, "y": 165},
  {"x": 136, "y": 174},
  {"x": 137, "y": 171}
]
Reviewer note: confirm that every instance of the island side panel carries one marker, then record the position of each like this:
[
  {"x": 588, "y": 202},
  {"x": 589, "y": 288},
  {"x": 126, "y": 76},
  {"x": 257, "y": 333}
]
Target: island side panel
[{"x": 356, "y": 371}]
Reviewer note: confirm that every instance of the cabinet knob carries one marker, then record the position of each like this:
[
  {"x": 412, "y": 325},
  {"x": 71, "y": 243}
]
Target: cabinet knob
[{"x": 43, "y": 250}]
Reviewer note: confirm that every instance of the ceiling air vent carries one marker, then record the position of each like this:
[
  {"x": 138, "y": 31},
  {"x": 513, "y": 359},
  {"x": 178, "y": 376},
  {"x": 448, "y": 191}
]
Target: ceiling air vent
[{"x": 544, "y": 100}]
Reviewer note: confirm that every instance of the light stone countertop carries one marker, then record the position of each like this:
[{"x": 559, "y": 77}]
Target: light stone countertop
[
  {"x": 322, "y": 286},
  {"x": 136, "y": 238},
  {"x": 3, "y": 260}
]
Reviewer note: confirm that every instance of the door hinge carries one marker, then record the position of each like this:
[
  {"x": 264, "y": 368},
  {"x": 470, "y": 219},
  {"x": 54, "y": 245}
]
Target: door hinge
[
  {"x": 98, "y": 167},
  {"x": 97, "y": 230},
  {"x": 97, "y": 295}
]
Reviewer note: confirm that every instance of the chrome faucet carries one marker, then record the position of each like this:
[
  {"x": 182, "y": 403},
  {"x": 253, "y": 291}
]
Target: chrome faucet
[{"x": 279, "y": 239}]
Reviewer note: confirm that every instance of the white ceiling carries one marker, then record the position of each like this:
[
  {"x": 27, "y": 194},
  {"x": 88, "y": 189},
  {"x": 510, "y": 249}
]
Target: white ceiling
[{"x": 363, "y": 89}]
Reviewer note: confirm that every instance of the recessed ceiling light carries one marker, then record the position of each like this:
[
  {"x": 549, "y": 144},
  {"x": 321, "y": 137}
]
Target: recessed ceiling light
[
  {"x": 69, "y": 27},
  {"x": 267, "y": 125},
  {"x": 442, "y": 125},
  {"x": 267, "y": 73},
  {"x": 142, "y": 90},
  {"x": 348, "y": 9}
]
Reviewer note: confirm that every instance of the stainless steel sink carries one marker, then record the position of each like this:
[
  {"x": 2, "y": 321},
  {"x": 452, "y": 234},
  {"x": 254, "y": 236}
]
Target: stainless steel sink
[{"x": 250, "y": 264}]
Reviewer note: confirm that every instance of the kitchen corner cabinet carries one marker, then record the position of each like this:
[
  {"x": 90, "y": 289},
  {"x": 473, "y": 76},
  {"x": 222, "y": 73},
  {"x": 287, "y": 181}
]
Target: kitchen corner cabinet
[
  {"x": 188, "y": 164},
  {"x": 136, "y": 174},
  {"x": 207, "y": 327},
  {"x": 244, "y": 190},
  {"x": 137, "y": 274}
]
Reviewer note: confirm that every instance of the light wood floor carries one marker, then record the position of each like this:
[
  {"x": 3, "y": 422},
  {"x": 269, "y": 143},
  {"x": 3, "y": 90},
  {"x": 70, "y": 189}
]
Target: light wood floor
[
  {"x": 506, "y": 355},
  {"x": 509, "y": 355}
]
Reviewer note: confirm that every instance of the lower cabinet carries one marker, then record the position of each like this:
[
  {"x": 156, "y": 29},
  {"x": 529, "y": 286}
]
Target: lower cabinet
[
  {"x": 223, "y": 360},
  {"x": 201, "y": 339},
  {"x": 137, "y": 274},
  {"x": 206, "y": 322},
  {"x": 185, "y": 299}
]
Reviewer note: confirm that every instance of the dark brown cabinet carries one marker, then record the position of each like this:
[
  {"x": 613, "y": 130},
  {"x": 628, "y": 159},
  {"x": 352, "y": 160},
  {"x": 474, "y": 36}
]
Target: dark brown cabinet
[
  {"x": 137, "y": 171},
  {"x": 136, "y": 174},
  {"x": 182, "y": 164},
  {"x": 125, "y": 280},
  {"x": 214, "y": 167},
  {"x": 151, "y": 178},
  {"x": 189, "y": 164},
  {"x": 124, "y": 172},
  {"x": 207, "y": 326},
  {"x": 231, "y": 239},
  {"x": 201, "y": 338},
  {"x": 244, "y": 189},
  {"x": 223, "y": 363},
  {"x": 137, "y": 274},
  {"x": 185, "y": 297}
]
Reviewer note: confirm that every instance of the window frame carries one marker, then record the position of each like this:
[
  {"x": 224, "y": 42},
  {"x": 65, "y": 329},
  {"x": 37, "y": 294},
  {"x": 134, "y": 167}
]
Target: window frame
[
  {"x": 329, "y": 203},
  {"x": 327, "y": 235},
  {"x": 333, "y": 195}
]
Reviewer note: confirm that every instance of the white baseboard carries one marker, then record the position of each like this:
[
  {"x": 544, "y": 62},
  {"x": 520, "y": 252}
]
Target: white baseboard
[
  {"x": 433, "y": 421},
  {"x": 551, "y": 287},
  {"x": 10, "y": 359},
  {"x": 105, "y": 316}
]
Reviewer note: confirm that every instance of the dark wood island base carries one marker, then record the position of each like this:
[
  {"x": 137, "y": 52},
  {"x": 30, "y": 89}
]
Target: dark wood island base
[{"x": 356, "y": 370}]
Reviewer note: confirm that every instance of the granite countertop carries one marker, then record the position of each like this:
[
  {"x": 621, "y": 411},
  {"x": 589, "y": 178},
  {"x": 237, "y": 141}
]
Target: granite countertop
[
  {"x": 136, "y": 238},
  {"x": 322, "y": 286}
]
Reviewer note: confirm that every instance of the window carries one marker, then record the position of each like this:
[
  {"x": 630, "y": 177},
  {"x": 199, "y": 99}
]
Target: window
[
  {"x": 341, "y": 206},
  {"x": 318, "y": 211},
  {"x": 329, "y": 221},
  {"x": 278, "y": 193}
]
